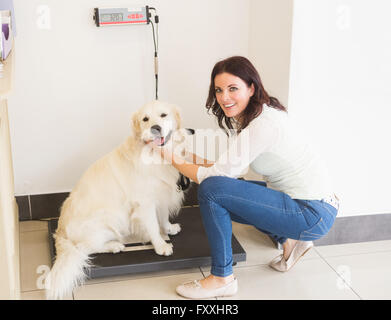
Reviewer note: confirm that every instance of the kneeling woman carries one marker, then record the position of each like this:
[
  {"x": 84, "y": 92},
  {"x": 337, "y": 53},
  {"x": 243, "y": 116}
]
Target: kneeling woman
[{"x": 296, "y": 204}]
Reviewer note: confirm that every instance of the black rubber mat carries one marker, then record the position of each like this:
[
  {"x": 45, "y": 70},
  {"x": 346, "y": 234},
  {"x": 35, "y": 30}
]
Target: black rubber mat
[{"x": 191, "y": 249}]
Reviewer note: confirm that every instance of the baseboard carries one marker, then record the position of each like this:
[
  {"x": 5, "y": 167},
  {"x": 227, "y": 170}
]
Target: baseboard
[
  {"x": 48, "y": 205},
  {"x": 374, "y": 227},
  {"x": 352, "y": 229}
]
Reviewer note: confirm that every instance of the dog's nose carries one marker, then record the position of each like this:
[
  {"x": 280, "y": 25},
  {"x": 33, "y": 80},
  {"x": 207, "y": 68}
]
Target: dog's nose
[{"x": 156, "y": 129}]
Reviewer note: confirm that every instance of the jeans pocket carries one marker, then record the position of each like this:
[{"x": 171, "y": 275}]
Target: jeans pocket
[{"x": 315, "y": 232}]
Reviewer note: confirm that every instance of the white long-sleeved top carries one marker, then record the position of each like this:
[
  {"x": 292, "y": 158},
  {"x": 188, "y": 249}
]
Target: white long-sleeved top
[{"x": 273, "y": 146}]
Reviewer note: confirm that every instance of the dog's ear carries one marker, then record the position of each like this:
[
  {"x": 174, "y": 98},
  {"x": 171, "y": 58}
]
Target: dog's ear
[
  {"x": 135, "y": 124},
  {"x": 177, "y": 117}
]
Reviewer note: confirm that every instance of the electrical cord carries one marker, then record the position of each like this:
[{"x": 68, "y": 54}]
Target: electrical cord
[
  {"x": 153, "y": 34},
  {"x": 184, "y": 182},
  {"x": 156, "y": 46}
]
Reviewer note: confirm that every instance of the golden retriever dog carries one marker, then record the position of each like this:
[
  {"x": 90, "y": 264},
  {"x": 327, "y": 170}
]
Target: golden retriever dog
[{"x": 130, "y": 191}]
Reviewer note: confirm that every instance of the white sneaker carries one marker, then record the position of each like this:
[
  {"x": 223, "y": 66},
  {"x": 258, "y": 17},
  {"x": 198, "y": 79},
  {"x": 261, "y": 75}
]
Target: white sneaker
[
  {"x": 194, "y": 290},
  {"x": 299, "y": 250}
]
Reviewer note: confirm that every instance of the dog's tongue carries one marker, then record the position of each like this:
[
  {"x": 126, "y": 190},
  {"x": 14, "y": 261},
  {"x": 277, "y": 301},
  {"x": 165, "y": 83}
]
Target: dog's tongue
[{"x": 159, "y": 141}]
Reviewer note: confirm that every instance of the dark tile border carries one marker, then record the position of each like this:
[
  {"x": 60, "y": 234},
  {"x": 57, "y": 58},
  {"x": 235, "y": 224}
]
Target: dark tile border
[
  {"x": 355, "y": 229},
  {"x": 374, "y": 227},
  {"x": 24, "y": 207},
  {"x": 352, "y": 229},
  {"x": 45, "y": 206}
]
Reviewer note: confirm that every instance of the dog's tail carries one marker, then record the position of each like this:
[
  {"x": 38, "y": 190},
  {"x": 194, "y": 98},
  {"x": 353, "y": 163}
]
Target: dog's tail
[{"x": 68, "y": 271}]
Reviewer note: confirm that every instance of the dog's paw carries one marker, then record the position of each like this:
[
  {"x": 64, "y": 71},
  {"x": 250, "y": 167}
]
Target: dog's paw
[
  {"x": 114, "y": 247},
  {"x": 173, "y": 229},
  {"x": 165, "y": 249}
]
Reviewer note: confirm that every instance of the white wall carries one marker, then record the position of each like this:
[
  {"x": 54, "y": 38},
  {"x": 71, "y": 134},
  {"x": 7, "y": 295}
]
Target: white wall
[
  {"x": 270, "y": 48},
  {"x": 76, "y": 85},
  {"x": 270, "y": 44},
  {"x": 340, "y": 88},
  {"x": 71, "y": 106}
]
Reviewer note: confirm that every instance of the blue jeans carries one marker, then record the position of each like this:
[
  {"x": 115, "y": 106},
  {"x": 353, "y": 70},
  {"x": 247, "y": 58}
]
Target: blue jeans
[{"x": 275, "y": 213}]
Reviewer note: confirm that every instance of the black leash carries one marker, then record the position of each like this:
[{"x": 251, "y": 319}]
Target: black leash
[{"x": 183, "y": 183}]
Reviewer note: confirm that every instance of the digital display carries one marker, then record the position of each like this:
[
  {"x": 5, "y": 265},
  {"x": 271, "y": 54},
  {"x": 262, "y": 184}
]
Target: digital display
[
  {"x": 120, "y": 16},
  {"x": 113, "y": 17}
]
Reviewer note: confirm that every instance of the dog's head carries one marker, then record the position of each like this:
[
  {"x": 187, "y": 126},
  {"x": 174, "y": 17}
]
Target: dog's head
[{"x": 156, "y": 121}]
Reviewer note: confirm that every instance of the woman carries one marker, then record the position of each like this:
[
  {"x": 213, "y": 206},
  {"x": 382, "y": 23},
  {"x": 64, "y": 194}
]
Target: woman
[{"x": 296, "y": 204}]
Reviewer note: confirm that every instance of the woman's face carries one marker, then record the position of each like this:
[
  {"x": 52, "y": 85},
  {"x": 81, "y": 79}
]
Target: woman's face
[{"x": 232, "y": 94}]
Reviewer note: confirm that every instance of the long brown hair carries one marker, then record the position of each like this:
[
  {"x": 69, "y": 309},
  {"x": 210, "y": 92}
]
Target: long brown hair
[{"x": 240, "y": 67}]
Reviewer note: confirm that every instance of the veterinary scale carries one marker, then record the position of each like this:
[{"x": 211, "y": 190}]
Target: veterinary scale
[{"x": 105, "y": 17}]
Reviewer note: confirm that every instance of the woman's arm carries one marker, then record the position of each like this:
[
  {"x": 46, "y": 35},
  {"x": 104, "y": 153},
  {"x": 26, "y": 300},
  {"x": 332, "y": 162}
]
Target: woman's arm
[
  {"x": 198, "y": 160},
  {"x": 242, "y": 150},
  {"x": 188, "y": 169}
]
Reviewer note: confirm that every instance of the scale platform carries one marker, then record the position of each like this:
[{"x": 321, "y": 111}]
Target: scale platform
[{"x": 191, "y": 249}]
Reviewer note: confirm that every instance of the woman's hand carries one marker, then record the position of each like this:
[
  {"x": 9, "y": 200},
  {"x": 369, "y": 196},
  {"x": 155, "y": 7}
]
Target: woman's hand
[{"x": 188, "y": 169}]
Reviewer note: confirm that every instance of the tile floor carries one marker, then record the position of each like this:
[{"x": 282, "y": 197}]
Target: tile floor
[{"x": 343, "y": 272}]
